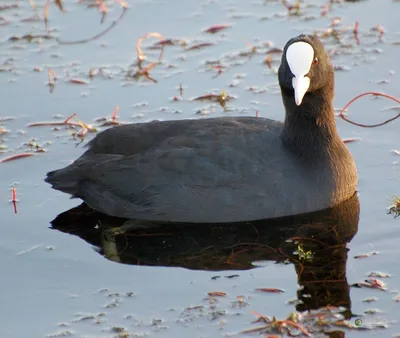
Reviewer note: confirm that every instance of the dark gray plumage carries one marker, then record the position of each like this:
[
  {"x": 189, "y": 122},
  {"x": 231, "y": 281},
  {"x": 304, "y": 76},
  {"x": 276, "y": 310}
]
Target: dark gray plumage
[{"x": 221, "y": 169}]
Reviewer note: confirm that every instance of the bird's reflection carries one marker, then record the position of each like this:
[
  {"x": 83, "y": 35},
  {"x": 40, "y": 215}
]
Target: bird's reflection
[{"x": 315, "y": 243}]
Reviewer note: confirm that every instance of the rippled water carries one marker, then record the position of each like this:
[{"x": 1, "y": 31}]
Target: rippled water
[{"x": 52, "y": 282}]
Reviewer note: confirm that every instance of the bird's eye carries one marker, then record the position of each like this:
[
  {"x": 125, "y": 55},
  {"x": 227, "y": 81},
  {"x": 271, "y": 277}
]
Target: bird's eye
[{"x": 315, "y": 61}]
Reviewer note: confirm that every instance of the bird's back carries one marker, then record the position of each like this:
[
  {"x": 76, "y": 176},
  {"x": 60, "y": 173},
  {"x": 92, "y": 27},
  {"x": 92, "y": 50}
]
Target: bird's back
[{"x": 198, "y": 171}]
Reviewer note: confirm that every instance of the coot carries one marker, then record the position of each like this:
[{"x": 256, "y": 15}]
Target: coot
[{"x": 227, "y": 169}]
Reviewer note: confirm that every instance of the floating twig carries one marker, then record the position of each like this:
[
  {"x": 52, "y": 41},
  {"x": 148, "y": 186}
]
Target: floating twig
[
  {"x": 341, "y": 114},
  {"x": 32, "y": 3},
  {"x": 199, "y": 45},
  {"x": 351, "y": 139},
  {"x": 221, "y": 98},
  {"x": 219, "y": 69},
  {"x": 113, "y": 24},
  {"x": 52, "y": 77},
  {"x": 355, "y": 32},
  {"x": 381, "y": 31},
  {"x": 141, "y": 57},
  {"x": 46, "y": 13},
  {"x": 292, "y": 9},
  {"x": 102, "y": 8},
  {"x": 217, "y": 294},
  {"x": 114, "y": 114},
  {"x": 278, "y": 325},
  {"x": 78, "y": 81},
  {"x": 139, "y": 52},
  {"x": 16, "y": 157},
  {"x": 60, "y": 5},
  {"x": 216, "y": 28},
  {"x": 269, "y": 290},
  {"x": 14, "y": 199},
  {"x": 394, "y": 209},
  {"x": 66, "y": 122}
]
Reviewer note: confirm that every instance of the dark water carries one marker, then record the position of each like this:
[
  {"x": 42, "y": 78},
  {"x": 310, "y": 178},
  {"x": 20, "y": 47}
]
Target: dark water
[{"x": 50, "y": 279}]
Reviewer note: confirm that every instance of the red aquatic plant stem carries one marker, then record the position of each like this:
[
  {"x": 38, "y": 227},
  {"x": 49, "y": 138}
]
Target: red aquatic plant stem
[
  {"x": 46, "y": 12},
  {"x": 42, "y": 124},
  {"x": 380, "y": 30},
  {"x": 16, "y": 157},
  {"x": 66, "y": 122},
  {"x": 69, "y": 118},
  {"x": 139, "y": 51},
  {"x": 293, "y": 324},
  {"x": 355, "y": 32},
  {"x": 115, "y": 113},
  {"x": 113, "y": 24},
  {"x": 13, "y": 195},
  {"x": 260, "y": 316},
  {"x": 122, "y": 3},
  {"x": 102, "y": 6},
  {"x": 341, "y": 114},
  {"x": 14, "y": 198}
]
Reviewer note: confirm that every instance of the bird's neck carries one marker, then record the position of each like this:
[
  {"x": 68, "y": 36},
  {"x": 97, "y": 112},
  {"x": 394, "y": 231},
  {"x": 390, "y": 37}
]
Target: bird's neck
[{"x": 309, "y": 129}]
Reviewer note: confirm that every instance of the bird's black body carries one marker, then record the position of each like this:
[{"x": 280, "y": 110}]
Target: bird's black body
[{"x": 221, "y": 169}]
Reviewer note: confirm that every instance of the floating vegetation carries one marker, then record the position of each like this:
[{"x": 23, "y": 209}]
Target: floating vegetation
[
  {"x": 343, "y": 38},
  {"x": 221, "y": 98},
  {"x": 217, "y": 28},
  {"x": 394, "y": 209}
]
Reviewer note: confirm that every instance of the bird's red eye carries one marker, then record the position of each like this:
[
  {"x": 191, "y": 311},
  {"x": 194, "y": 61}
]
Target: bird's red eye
[{"x": 315, "y": 61}]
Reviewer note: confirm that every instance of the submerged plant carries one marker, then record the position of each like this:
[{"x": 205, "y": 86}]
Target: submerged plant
[
  {"x": 394, "y": 209},
  {"x": 303, "y": 255}
]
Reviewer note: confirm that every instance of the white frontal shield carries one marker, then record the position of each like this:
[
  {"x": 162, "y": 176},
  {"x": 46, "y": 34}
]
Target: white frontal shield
[{"x": 299, "y": 57}]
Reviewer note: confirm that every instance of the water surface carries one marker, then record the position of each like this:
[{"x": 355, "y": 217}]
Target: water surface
[{"x": 53, "y": 282}]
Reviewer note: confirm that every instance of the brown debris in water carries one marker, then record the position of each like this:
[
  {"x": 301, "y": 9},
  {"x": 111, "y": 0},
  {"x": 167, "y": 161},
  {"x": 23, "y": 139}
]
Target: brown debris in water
[
  {"x": 216, "y": 28},
  {"x": 216, "y": 294},
  {"x": 221, "y": 98},
  {"x": 52, "y": 77},
  {"x": 145, "y": 72},
  {"x": 124, "y": 7},
  {"x": 268, "y": 61},
  {"x": 273, "y": 325},
  {"x": 381, "y": 31},
  {"x": 32, "y": 3},
  {"x": 366, "y": 255},
  {"x": 103, "y": 9},
  {"x": 16, "y": 157},
  {"x": 342, "y": 115},
  {"x": 269, "y": 290},
  {"x": 46, "y": 13},
  {"x": 107, "y": 122},
  {"x": 8, "y": 6},
  {"x": 355, "y": 32},
  {"x": 199, "y": 45},
  {"x": 60, "y": 5},
  {"x": 14, "y": 199},
  {"x": 140, "y": 55},
  {"x": 394, "y": 209},
  {"x": 78, "y": 81},
  {"x": 63, "y": 123},
  {"x": 219, "y": 69},
  {"x": 371, "y": 283},
  {"x": 292, "y": 9},
  {"x": 351, "y": 139},
  {"x": 67, "y": 122},
  {"x": 30, "y": 37}
]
